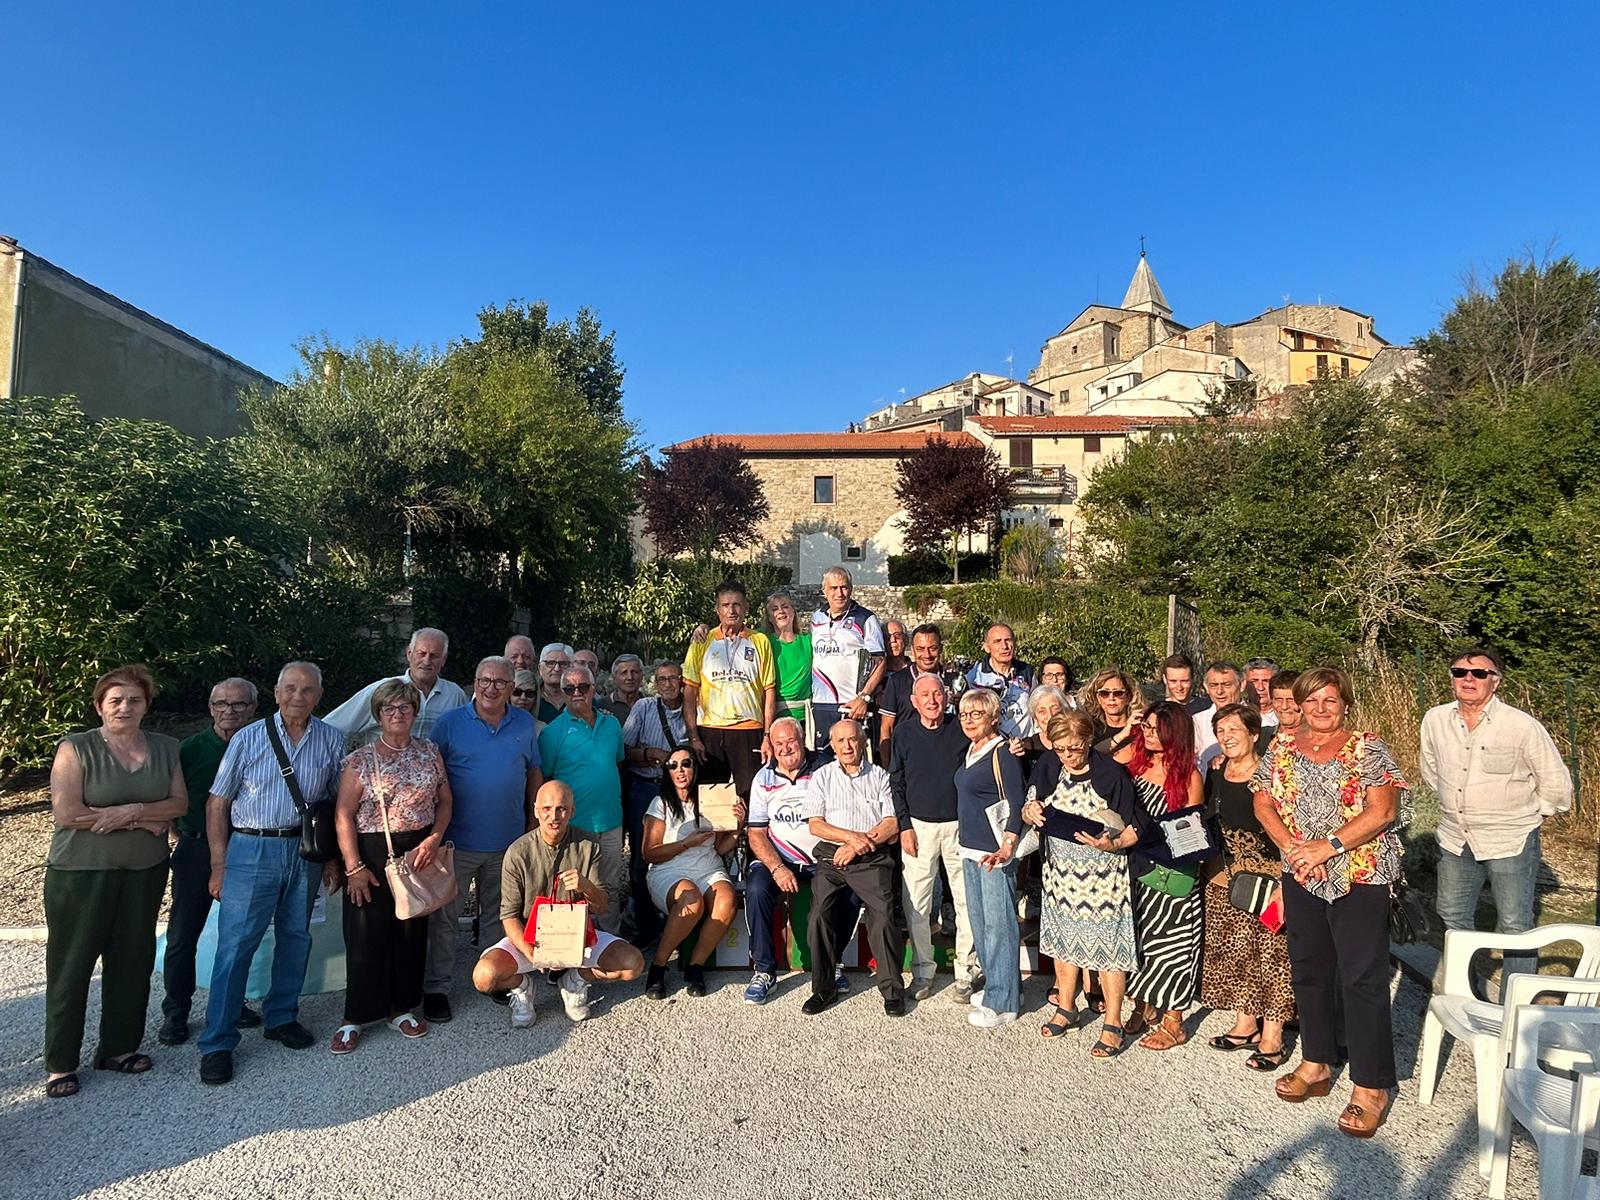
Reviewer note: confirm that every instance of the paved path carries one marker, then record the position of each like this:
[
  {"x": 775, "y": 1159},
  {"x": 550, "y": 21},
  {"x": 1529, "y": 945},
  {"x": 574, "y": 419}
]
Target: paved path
[{"x": 711, "y": 1098}]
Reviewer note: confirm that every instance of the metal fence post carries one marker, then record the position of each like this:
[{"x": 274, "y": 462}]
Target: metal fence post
[{"x": 1572, "y": 747}]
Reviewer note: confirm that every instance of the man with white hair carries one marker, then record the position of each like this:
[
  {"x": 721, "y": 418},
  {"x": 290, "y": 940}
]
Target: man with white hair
[
  {"x": 425, "y": 658},
  {"x": 553, "y": 659},
  {"x": 847, "y": 656},
  {"x": 520, "y": 650}
]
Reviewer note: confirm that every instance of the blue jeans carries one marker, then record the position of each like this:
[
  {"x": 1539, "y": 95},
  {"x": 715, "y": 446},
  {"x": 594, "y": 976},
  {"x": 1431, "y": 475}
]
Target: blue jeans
[
  {"x": 1511, "y": 882},
  {"x": 264, "y": 880},
  {"x": 761, "y": 899},
  {"x": 647, "y": 922},
  {"x": 992, "y": 911}
]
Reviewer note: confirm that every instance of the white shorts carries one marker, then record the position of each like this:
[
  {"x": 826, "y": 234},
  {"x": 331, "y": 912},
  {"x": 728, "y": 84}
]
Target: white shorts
[
  {"x": 661, "y": 880},
  {"x": 591, "y": 954}
]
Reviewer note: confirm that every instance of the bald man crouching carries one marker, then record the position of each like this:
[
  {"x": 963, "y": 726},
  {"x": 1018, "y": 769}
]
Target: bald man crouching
[{"x": 552, "y": 855}]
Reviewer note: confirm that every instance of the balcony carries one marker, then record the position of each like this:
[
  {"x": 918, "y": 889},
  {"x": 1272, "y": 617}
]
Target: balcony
[{"x": 1044, "y": 485}]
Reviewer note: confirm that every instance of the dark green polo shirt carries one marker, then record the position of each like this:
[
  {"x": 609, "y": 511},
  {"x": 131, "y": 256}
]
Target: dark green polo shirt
[{"x": 200, "y": 756}]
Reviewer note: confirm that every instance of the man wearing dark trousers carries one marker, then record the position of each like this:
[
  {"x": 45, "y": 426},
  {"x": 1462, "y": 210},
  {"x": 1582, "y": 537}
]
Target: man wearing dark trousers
[
  {"x": 232, "y": 707},
  {"x": 849, "y": 806}
]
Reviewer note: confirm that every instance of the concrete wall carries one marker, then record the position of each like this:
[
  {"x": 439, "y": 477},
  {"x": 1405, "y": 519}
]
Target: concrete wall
[{"x": 120, "y": 362}]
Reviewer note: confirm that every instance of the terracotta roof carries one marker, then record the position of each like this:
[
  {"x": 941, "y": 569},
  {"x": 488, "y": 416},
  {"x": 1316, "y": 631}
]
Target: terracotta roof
[
  {"x": 1066, "y": 426},
  {"x": 887, "y": 442}
]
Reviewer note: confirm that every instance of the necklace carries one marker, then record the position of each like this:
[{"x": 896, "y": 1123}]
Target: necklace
[
  {"x": 390, "y": 745},
  {"x": 1316, "y": 746}
]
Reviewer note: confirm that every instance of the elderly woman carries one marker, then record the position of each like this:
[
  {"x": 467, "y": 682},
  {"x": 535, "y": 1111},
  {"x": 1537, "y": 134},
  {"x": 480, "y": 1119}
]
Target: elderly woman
[
  {"x": 989, "y": 777},
  {"x": 1246, "y": 963},
  {"x": 398, "y": 781},
  {"x": 686, "y": 876},
  {"x": 525, "y": 691},
  {"x": 1087, "y": 919},
  {"x": 1109, "y": 699},
  {"x": 791, "y": 647},
  {"x": 1167, "y": 908},
  {"x": 1330, "y": 798},
  {"x": 113, "y": 792}
]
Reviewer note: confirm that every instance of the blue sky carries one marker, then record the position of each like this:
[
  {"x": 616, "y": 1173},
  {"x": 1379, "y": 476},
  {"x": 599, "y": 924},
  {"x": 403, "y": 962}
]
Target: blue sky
[{"x": 787, "y": 218}]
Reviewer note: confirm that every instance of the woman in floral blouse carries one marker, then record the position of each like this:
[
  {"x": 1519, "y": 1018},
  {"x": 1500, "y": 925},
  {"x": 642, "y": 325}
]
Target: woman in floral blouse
[
  {"x": 384, "y": 956},
  {"x": 1330, "y": 799}
]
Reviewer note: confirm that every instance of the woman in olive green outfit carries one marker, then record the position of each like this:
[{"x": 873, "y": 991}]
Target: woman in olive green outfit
[
  {"x": 792, "y": 650},
  {"x": 113, "y": 792}
]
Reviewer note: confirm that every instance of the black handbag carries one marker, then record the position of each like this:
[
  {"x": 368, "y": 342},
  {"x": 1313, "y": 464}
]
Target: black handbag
[
  {"x": 318, "y": 841},
  {"x": 1409, "y": 918},
  {"x": 1250, "y": 891}
]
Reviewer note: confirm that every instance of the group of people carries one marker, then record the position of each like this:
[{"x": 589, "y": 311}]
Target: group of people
[{"x": 1232, "y": 845}]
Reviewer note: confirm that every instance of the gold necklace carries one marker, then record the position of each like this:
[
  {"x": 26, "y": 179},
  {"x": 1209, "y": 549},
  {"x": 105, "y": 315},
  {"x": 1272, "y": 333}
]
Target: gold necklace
[{"x": 1316, "y": 747}]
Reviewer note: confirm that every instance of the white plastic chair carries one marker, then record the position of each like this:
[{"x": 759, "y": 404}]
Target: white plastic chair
[
  {"x": 1558, "y": 1111},
  {"x": 1480, "y": 1025}
]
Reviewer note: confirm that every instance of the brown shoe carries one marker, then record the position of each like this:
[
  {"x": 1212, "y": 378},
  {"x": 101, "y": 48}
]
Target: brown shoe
[
  {"x": 1361, "y": 1122},
  {"x": 1294, "y": 1090}
]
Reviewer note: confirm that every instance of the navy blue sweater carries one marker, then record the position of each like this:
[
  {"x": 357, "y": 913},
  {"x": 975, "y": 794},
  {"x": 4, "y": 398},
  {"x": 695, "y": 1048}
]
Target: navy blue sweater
[
  {"x": 922, "y": 769},
  {"x": 976, "y": 791}
]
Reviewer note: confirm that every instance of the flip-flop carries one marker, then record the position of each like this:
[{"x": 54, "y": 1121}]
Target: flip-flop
[
  {"x": 132, "y": 1064},
  {"x": 407, "y": 1025},
  {"x": 60, "y": 1089},
  {"x": 345, "y": 1039}
]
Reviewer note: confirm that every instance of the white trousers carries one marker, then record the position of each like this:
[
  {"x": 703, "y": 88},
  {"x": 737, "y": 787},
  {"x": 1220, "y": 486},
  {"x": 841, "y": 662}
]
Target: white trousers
[{"x": 937, "y": 841}]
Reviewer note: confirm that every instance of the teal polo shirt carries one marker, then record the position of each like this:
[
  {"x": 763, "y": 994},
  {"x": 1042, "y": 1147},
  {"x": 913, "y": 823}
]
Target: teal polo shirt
[{"x": 585, "y": 758}]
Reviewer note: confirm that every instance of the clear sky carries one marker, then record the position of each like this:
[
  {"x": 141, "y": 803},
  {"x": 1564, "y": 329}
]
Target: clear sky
[{"x": 789, "y": 212}]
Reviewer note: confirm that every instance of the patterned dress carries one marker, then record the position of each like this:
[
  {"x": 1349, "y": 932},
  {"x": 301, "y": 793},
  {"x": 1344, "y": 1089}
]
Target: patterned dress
[
  {"x": 1087, "y": 913},
  {"x": 409, "y": 781},
  {"x": 1170, "y": 931}
]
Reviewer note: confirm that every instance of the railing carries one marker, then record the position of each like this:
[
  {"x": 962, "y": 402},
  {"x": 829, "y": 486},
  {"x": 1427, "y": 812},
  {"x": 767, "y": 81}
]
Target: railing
[{"x": 1052, "y": 479}]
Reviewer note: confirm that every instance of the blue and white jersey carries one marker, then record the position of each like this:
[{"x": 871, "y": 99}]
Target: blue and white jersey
[
  {"x": 841, "y": 650},
  {"x": 1012, "y": 686}
]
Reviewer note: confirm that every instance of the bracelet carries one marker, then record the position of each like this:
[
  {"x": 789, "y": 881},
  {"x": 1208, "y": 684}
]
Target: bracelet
[{"x": 349, "y": 874}]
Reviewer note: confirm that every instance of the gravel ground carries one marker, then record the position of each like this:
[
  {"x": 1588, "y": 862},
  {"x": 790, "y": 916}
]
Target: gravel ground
[{"x": 710, "y": 1097}]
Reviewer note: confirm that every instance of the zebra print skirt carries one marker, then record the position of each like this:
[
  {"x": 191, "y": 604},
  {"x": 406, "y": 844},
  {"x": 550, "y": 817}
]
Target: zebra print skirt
[{"x": 1171, "y": 935}]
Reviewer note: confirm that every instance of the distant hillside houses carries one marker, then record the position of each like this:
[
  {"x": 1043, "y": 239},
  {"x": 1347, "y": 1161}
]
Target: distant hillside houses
[{"x": 1111, "y": 375}]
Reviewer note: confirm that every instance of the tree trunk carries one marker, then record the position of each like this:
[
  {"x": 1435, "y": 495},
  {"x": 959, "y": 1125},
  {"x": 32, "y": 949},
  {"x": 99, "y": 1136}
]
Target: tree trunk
[{"x": 955, "y": 557}]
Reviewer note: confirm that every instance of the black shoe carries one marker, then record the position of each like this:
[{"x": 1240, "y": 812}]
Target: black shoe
[
  {"x": 293, "y": 1035},
  {"x": 655, "y": 987},
  {"x": 816, "y": 1002},
  {"x": 436, "y": 1007},
  {"x": 501, "y": 998},
  {"x": 694, "y": 980},
  {"x": 216, "y": 1067},
  {"x": 249, "y": 1018},
  {"x": 894, "y": 1006},
  {"x": 174, "y": 1031}
]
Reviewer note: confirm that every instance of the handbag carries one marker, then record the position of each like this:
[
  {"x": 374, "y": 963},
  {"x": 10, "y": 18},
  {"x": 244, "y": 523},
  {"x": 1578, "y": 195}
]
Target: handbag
[
  {"x": 1000, "y": 812},
  {"x": 1176, "y": 882},
  {"x": 559, "y": 932},
  {"x": 1250, "y": 891},
  {"x": 319, "y": 843},
  {"x": 417, "y": 892},
  {"x": 1409, "y": 918}
]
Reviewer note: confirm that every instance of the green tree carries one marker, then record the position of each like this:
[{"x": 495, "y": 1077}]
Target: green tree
[{"x": 949, "y": 489}]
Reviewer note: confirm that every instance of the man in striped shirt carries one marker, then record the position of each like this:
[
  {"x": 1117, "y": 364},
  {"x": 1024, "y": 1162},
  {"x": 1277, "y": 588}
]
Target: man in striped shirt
[
  {"x": 851, "y": 814},
  {"x": 253, "y": 829}
]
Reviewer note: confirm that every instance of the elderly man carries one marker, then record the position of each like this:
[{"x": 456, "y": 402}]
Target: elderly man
[
  {"x": 922, "y": 767},
  {"x": 927, "y": 658},
  {"x": 425, "y": 658},
  {"x": 520, "y": 650},
  {"x": 1498, "y": 775},
  {"x": 847, "y": 655},
  {"x": 627, "y": 672},
  {"x": 253, "y": 831},
  {"x": 783, "y": 854},
  {"x": 559, "y": 860},
  {"x": 730, "y": 694},
  {"x": 587, "y": 659},
  {"x": 1007, "y": 676},
  {"x": 849, "y": 806},
  {"x": 232, "y": 707},
  {"x": 653, "y": 730},
  {"x": 582, "y": 748},
  {"x": 1258, "y": 673},
  {"x": 491, "y": 757},
  {"x": 553, "y": 659},
  {"x": 1224, "y": 686}
]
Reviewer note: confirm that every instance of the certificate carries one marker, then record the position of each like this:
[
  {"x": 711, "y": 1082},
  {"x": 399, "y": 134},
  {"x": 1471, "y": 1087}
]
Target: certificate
[
  {"x": 717, "y": 801},
  {"x": 1185, "y": 836}
]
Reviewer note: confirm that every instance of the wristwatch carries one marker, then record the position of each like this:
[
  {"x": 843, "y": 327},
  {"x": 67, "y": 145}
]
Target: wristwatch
[{"x": 1338, "y": 846}]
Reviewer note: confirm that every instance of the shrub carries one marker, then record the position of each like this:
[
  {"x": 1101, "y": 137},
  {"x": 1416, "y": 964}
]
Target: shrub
[
  {"x": 1028, "y": 554},
  {"x": 1290, "y": 640},
  {"x": 476, "y": 615},
  {"x": 906, "y": 570}
]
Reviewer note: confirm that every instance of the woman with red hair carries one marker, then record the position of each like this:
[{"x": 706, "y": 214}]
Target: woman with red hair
[{"x": 1167, "y": 904}]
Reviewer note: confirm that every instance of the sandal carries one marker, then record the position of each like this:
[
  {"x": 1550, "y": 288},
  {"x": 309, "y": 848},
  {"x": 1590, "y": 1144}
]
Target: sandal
[
  {"x": 62, "y": 1087},
  {"x": 345, "y": 1039},
  {"x": 1294, "y": 1090},
  {"x": 1361, "y": 1122},
  {"x": 1095, "y": 1001},
  {"x": 1268, "y": 1060},
  {"x": 1104, "y": 1049},
  {"x": 1051, "y": 1030},
  {"x": 1137, "y": 1024},
  {"x": 1234, "y": 1041},
  {"x": 1164, "y": 1037},
  {"x": 128, "y": 1064},
  {"x": 409, "y": 1025}
]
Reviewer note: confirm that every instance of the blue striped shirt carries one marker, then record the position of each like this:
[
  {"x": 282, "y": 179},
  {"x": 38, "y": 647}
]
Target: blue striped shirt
[{"x": 250, "y": 777}]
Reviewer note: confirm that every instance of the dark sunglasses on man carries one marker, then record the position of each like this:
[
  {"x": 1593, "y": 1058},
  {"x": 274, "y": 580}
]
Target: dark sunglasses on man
[
  {"x": 577, "y": 689},
  {"x": 1475, "y": 672}
]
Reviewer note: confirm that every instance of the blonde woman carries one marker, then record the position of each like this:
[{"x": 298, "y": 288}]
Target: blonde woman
[{"x": 791, "y": 647}]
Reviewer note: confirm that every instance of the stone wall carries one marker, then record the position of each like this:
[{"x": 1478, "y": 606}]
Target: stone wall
[{"x": 862, "y": 514}]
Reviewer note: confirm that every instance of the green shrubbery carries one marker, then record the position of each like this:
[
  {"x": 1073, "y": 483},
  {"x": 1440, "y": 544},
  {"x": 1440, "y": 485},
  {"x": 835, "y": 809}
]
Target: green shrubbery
[{"x": 908, "y": 570}]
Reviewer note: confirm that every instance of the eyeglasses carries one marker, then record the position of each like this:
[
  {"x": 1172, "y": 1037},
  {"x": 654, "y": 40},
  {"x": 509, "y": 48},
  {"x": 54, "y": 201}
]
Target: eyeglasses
[
  {"x": 1475, "y": 672},
  {"x": 1111, "y": 693},
  {"x": 391, "y": 710},
  {"x": 1077, "y": 747},
  {"x": 555, "y": 662},
  {"x": 525, "y": 693},
  {"x": 680, "y": 764},
  {"x": 577, "y": 689},
  {"x": 232, "y": 705},
  {"x": 489, "y": 681}
]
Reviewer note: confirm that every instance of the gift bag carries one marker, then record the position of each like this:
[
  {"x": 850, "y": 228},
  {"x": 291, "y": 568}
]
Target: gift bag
[{"x": 558, "y": 932}]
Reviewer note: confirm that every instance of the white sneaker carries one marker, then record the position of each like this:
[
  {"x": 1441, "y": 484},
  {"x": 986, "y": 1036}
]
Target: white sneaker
[
  {"x": 976, "y": 999},
  {"x": 987, "y": 1018},
  {"x": 522, "y": 1011},
  {"x": 575, "y": 994}
]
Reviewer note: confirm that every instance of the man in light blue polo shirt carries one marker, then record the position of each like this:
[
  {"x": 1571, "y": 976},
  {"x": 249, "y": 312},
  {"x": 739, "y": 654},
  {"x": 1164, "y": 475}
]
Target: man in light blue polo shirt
[
  {"x": 582, "y": 748},
  {"x": 491, "y": 757}
]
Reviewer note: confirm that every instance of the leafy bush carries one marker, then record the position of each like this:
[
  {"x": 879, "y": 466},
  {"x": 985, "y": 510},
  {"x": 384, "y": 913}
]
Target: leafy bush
[
  {"x": 1289, "y": 640},
  {"x": 475, "y": 614},
  {"x": 906, "y": 570},
  {"x": 1028, "y": 554}
]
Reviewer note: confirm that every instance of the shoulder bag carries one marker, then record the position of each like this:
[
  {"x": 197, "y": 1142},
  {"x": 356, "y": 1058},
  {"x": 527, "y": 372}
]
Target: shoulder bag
[
  {"x": 1000, "y": 812},
  {"x": 416, "y": 892},
  {"x": 1409, "y": 919},
  {"x": 318, "y": 841}
]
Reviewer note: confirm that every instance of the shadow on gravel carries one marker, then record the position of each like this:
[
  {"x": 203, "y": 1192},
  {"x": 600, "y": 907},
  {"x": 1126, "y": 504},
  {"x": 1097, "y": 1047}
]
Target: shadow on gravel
[
  {"x": 1324, "y": 1162},
  {"x": 121, "y": 1127}
]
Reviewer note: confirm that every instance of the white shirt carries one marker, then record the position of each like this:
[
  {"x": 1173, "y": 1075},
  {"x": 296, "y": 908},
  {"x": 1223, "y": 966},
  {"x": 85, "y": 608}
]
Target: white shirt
[
  {"x": 354, "y": 717},
  {"x": 695, "y": 863},
  {"x": 854, "y": 802},
  {"x": 1496, "y": 783}
]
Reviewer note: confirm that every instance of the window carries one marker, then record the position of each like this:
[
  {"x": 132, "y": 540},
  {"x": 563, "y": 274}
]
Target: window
[
  {"x": 1057, "y": 523},
  {"x": 1322, "y": 366},
  {"x": 1114, "y": 343},
  {"x": 853, "y": 553},
  {"x": 822, "y": 489},
  {"x": 1344, "y": 368},
  {"x": 1021, "y": 452},
  {"x": 1091, "y": 444}
]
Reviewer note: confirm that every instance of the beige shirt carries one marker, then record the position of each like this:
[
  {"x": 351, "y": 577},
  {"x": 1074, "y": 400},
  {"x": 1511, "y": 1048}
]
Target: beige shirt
[
  {"x": 1496, "y": 783},
  {"x": 531, "y": 865}
]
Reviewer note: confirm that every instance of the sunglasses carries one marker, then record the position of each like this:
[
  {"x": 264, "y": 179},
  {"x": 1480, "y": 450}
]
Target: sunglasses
[
  {"x": 577, "y": 689},
  {"x": 680, "y": 764},
  {"x": 1475, "y": 672},
  {"x": 1110, "y": 693},
  {"x": 525, "y": 693}
]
